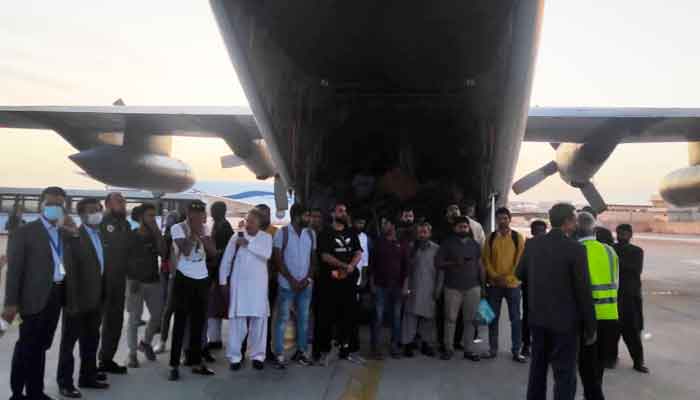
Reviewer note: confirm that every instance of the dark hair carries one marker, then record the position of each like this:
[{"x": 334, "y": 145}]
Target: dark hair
[
  {"x": 110, "y": 195},
  {"x": 136, "y": 213},
  {"x": 624, "y": 228},
  {"x": 460, "y": 220},
  {"x": 316, "y": 210},
  {"x": 82, "y": 204},
  {"x": 503, "y": 211},
  {"x": 297, "y": 210},
  {"x": 148, "y": 206},
  {"x": 197, "y": 206},
  {"x": 52, "y": 191},
  {"x": 538, "y": 222},
  {"x": 405, "y": 209},
  {"x": 590, "y": 210},
  {"x": 263, "y": 207},
  {"x": 561, "y": 212},
  {"x": 217, "y": 207},
  {"x": 423, "y": 222}
]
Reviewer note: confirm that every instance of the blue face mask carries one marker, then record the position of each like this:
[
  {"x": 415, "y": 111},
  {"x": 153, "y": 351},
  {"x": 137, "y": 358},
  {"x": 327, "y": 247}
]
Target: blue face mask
[{"x": 52, "y": 213}]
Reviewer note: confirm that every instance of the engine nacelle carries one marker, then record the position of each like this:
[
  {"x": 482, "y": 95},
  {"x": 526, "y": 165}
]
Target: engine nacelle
[
  {"x": 681, "y": 188},
  {"x": 123, "y": 167},
  {"x": 578, "y": 163}
]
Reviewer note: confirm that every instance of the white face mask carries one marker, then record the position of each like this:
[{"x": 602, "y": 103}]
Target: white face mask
[{"x": 94, "y": 219}]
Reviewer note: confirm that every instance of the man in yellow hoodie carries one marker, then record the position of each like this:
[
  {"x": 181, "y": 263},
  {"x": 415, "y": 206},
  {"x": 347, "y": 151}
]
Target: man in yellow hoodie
[{"x": 501, "y": 254}]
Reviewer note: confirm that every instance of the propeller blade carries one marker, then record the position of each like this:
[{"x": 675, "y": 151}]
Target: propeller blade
[
  {"x": 555, "y": 145},
  {"x": 532, "y": 179},
  {"x": 594, "y": 198},
  {"x": 119, "y": 102}
]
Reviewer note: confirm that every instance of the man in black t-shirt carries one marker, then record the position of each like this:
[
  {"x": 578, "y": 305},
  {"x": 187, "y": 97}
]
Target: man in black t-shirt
[{"x": 340, "y": 252}]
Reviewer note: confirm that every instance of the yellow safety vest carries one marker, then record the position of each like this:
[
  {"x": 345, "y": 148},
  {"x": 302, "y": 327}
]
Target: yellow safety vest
[{"x": 603, "y": 268}]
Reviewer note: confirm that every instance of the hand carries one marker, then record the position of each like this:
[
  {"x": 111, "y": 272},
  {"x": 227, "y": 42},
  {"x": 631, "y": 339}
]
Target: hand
[
  {"x": 591, "y": 339},
  {"x": 242, "y": 242},
  {"x": 9, "y": 313}
]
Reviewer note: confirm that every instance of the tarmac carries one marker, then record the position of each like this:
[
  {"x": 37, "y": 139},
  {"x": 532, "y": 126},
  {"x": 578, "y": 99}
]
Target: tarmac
[{"x": 672, "y": 314}]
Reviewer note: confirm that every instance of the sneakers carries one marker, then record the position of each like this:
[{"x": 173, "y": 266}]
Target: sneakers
[
  {"x": 519, "y": 358},
  {"x": 279, "y": 362},
  {"x": 174, "y": 375},
  {"x": 235, "y": 366},
  {"x": 111, "y": 367},
  {"x": 356, "y": 359},
  {"x": 301, "y": 358},
  {"x": 324, "y": 359},
  {"x": 472, "y": 356},
  {"x": 160, "y": 348},
  {"x": 203, "y": 370},
  {"x": 147, "y": 350},
  {"x": 258, "y": 365},
  {"x": 525, "y": 351},
  {"x": 133, "y": 361},
  {"x": 447, "y": 355}
]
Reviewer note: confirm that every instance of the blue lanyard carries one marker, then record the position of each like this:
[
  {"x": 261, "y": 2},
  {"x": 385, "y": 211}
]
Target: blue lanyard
[{"x": 56, "y": 246}]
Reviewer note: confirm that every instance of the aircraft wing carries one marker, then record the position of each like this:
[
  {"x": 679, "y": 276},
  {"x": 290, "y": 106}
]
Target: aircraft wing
[
  {"x": 632, "y": 125},
  {"x": 168, "y": 120}
]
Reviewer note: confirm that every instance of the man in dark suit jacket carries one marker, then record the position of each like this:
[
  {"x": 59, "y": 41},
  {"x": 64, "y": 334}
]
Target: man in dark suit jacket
[
  {"x": 630, "y": 297},
  {"x": 115, "y": 231},
  {"x": 560, "y": 303},
  {"x": 82, "y": 313},
  {"x": 35, "y": 289}
]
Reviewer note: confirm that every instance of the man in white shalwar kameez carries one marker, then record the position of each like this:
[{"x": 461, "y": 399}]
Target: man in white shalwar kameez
[{"x": 247, "y": 252}]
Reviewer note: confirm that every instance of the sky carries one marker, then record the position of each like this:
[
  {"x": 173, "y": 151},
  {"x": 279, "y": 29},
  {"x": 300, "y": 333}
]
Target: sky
[{"x": 595, "y": 53}]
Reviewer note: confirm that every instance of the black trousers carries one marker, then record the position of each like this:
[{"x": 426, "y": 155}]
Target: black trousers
[
  {"x": 85, "y": 329},
  {"x": 558, "y": 350},
  {"x": 632, "y": 337},
  {"x": 36, "y": 334},
  {"x": 591, "y": 362},
  {"x": 335, "y": 314},
  {"x": 112, "y": 318},
  {"x": 190, "y": 298},
  {"x": 527, "y": 341}
]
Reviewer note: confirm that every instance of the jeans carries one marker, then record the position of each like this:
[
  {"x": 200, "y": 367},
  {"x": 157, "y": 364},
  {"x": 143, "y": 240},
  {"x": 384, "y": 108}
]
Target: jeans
[
  {"x": 391, "y": 299},
  {"x": 302, "y": 302},
  {"x": 495, "y": 297}
]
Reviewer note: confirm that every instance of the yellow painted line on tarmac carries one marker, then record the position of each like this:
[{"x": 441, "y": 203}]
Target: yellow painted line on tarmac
[{"x": 363, "y": 382}]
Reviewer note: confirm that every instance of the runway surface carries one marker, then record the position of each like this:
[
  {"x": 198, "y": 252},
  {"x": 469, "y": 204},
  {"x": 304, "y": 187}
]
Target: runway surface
[{"x": 672, "y": 307}]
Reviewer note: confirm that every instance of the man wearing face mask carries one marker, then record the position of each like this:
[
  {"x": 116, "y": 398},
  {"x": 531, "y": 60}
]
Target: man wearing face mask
[
  {"x": 115, "y": 231},
  {"x": 82, "y": 316},
  {"x": 36, "y": 290}
]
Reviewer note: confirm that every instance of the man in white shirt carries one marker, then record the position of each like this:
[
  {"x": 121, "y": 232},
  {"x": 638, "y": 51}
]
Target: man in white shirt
[
  {"x": 243, "y": 272},
  {"x": 191, "y": 287}
]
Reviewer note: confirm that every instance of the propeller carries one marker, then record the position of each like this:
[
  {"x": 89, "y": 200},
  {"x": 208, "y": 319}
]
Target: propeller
[
  {"x": 119, "y": 102},
  {"x": 532, "y": 179},
  {"x": 593, "y": 197}
]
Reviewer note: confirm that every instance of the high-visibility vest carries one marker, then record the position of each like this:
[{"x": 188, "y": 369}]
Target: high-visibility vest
[{"x": 603, "y": 268}]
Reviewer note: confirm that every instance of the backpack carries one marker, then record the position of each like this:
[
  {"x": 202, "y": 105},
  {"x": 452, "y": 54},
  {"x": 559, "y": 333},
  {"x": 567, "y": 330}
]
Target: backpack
[{"x": 514, "y": 238}]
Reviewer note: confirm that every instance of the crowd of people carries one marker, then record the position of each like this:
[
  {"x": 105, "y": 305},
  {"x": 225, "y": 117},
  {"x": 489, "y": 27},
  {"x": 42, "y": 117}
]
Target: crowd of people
[{"x": 427, "y": 284}]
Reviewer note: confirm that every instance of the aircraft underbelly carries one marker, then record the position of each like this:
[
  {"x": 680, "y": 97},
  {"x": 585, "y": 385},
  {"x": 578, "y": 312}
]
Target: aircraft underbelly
[{"x": 403, "y": 100}]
